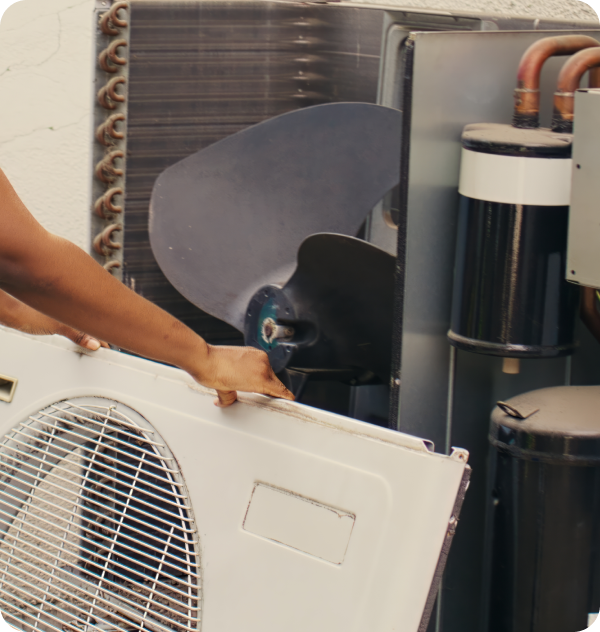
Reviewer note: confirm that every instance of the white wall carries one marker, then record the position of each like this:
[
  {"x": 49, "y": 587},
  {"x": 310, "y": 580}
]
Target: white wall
[
  {"x": 46, "y": 70},
  {"x": 567, "y": 9},
  {"x": 45, "y": 110}
]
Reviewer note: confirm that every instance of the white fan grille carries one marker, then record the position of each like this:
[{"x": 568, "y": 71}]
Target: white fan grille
[{"x": 97, "y": 532}]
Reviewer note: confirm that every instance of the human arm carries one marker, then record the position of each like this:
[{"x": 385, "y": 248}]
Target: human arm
[
  {"x": 15, "y": 314},
  {"x": 56, "y": 278}
]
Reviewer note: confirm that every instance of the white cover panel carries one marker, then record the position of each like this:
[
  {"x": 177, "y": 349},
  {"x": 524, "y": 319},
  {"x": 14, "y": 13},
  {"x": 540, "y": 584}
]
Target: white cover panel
[{"x": 395, "y": 497}]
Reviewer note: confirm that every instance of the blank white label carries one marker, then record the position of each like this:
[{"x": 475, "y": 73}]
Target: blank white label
[
  {"x": 300, "y": 523},
  {"x": 515, "y": 179}
]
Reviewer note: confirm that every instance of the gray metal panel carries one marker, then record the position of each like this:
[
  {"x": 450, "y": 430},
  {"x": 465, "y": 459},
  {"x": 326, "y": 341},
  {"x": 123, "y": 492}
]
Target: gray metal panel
[
  {"x": 583, "y": 255},
  {"x": 458, "y": 78}
]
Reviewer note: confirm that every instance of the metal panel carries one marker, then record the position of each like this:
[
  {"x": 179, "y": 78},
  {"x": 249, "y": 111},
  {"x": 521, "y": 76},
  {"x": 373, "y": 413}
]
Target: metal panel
[
  {"x": 452, "y": 79},
  {"x": 300, "y": 523},
  {"x": 456, "y": 78},
  {"x": 583, "y": 255},
  {"x": 402, "y": 495}
]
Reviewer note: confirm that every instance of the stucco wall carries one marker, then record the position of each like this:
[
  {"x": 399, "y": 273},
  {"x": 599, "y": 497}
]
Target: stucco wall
[
  {"x": 46, "y": 87},
  {"x": 45, "y": 110},
  {"x": 568, "y": 9}
]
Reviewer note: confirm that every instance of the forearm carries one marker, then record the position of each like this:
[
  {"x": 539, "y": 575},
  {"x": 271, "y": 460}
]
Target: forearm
[
  {"x": 15, "y": 314},
  {"x": 59, "y": 279}
]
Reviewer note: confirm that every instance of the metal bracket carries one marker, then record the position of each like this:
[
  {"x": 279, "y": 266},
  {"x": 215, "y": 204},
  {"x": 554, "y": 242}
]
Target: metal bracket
[{"x": 458, "y": 454}]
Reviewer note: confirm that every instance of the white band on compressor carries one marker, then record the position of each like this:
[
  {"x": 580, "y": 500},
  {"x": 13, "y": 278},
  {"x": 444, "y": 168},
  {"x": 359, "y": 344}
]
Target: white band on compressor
[{"x": 515, "y": 179}]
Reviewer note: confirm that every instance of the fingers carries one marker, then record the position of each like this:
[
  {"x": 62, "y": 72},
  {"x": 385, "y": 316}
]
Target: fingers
[
  {"x": 232, "y": 369},
  {"x": 276, "y": 389},
  {"x": 91, "y": 343},
  {"x": 83, "y": 340},
  {"x": 225, "y": 398},
  {"x": 271, "y": 384}
]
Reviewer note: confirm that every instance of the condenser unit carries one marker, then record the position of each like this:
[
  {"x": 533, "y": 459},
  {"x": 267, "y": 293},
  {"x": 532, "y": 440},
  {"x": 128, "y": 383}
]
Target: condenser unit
[{"x": 129, "y": 502}]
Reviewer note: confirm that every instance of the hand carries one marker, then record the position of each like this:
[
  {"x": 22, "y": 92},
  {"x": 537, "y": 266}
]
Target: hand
[
  {"x": 78, "y": 337},
  {"x": 232, "y": 369},
  {"x": 15, "y": 314}
]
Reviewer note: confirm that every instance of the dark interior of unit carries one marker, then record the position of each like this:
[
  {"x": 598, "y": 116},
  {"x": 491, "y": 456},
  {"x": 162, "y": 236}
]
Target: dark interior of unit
[{"x": 200, "y": 72}]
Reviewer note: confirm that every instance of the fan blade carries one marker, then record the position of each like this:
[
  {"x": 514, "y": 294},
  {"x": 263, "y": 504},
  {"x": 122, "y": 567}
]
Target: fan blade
[
  {"x": 334, "y": 314},
  {"x": 230, "y": 218}
]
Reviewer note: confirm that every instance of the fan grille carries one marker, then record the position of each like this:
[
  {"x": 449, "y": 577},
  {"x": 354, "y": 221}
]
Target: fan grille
[{"x": 97, "y": 531}]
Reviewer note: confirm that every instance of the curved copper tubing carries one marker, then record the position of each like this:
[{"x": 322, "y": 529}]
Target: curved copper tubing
[
  {"x": 106, "y": 133},
  {"x": 568, "y": 81},
  {"x": 105, "y": 203},
  {"x": 106, "y": 170},
  {"x": 110, "y": 53},
  {"x": 110, "y": 91},
  {"x": 111, "y": 265},
  {"x": 110, "y": 22},
  {"x": 594, "y": 80},
  {"x": 108, "y": 105},
  {"x": 114, "y": 18},
  {"x": 527, "y": 93},
  {"x": 103, "y": 243}
]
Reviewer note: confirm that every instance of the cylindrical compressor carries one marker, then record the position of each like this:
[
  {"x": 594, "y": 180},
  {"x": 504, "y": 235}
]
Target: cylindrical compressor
[
  {"x": 544, "y": 511},
  {"x": 510, "y": 295}
]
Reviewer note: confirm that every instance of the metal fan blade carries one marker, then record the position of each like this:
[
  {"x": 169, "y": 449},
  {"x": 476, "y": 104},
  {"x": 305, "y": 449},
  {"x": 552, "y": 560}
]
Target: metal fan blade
[
  {"x": 230, "y": 218},
  {"x": 334, "y": 314}
]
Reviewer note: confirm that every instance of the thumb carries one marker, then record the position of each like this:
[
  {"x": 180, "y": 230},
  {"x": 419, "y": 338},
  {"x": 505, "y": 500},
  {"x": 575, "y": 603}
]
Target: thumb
[
  {"x": 225, "y": 398},
  {"x": 83, "y": 340}
]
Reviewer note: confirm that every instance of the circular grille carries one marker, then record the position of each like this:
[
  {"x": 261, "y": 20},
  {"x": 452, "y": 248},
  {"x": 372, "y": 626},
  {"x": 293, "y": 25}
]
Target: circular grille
[{"x": 95, "y": 525}]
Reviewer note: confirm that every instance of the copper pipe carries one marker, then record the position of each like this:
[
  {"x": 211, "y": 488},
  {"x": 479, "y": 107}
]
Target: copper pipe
[
  {"x": 109, "y": 21},
  {"x": 110, "y": 91},
  {"x": 106, "y": 133},
  {"x": 568, "y": 81},
  {"x": 111, "y": 265},
  {"x": 103, "y": 101},
  {"x": 527, "y": 93},
  {"x": 110, "y": 53},
  {"x": 105, "y": 203},
  {"x": 103, "y": 243},
  {"x": 106, "y": 170},
  {"x": 589, "y": 312},
  {"x": 594, "y": 77}
]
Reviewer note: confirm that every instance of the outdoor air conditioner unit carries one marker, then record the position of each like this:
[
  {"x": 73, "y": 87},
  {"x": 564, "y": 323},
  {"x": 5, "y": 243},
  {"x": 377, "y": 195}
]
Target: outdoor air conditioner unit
[{"x": 129, "y": 502}]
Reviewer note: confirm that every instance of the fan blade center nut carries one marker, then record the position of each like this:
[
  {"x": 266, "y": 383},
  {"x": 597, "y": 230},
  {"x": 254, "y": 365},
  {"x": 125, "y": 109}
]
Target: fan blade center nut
[{"x": 271, "y": 331}]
